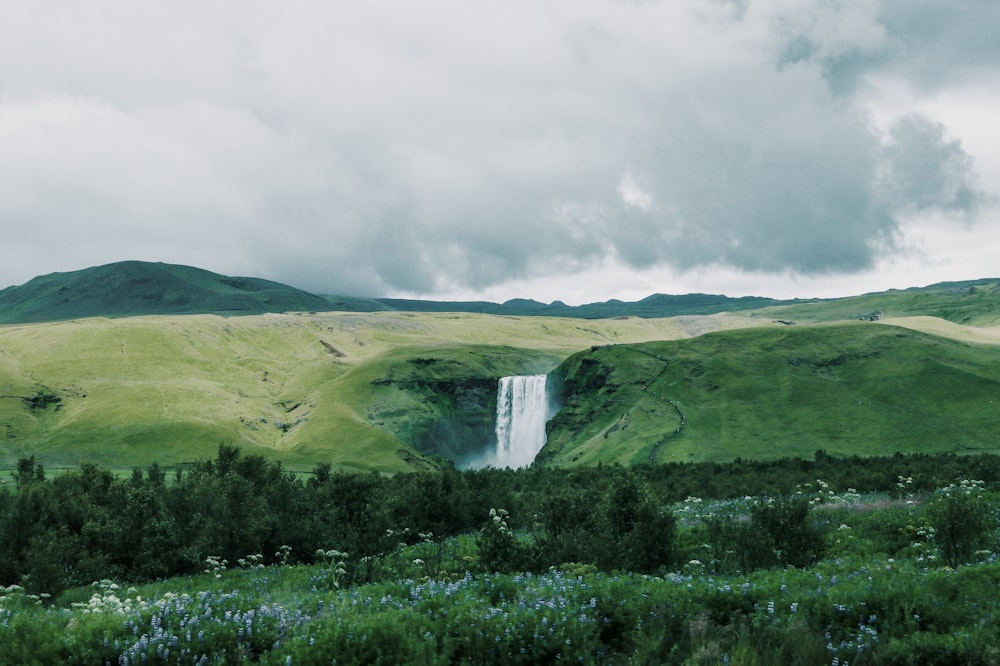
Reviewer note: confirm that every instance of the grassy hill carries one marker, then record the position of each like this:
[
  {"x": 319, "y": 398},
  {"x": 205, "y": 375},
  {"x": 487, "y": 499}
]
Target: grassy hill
[
  {"x": 857, "y": 388},
  {"x": 397, "y": 390},
  {"x": 970, "y": 303},
  {"x": 132, "y": 288},
  {"x": 360, "y": 391},
  {"x": 391, "y": 391}
]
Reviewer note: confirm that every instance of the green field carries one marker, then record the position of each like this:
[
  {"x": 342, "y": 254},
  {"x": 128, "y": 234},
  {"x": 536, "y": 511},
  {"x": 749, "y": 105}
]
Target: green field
[
  {"x": 849, "y": 389},
  {"x": 879, "y": 589},
  {"x": 401, "y": 391},
  {"x": 971, "y": 303},
  {"x": 359, "y": 391}
]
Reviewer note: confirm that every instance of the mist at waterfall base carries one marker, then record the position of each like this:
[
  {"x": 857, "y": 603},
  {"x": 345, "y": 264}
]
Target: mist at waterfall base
[{"x": 522, "y": 410}]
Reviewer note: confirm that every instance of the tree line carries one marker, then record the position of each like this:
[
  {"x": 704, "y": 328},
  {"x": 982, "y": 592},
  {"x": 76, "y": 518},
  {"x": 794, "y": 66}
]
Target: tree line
[{"x": 87, "y": 524}]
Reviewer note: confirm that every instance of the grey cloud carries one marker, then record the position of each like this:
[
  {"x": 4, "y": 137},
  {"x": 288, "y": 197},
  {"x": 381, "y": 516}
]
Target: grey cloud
[
  {"x": 940, "y": 43},
  {"x": 418, "y": 148},
  {"x": 925, "y": 170},
  {"x": 932, "y": 44},
  {"x": 845, "y": 40}
]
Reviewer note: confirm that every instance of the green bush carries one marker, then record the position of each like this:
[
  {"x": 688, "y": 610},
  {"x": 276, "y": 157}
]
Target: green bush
[
  {"x": 778, "y": 533},
  {"x": 793, "y": 538},
  {"x": 500, "y": 550},
  {"x": 636, "y": 533},
  {"x": 963, "y": 522},
  {"x": 975, "y": 648}
]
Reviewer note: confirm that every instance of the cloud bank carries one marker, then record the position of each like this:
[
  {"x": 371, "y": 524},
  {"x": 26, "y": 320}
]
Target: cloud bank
[{"x": 430, "y": 148}]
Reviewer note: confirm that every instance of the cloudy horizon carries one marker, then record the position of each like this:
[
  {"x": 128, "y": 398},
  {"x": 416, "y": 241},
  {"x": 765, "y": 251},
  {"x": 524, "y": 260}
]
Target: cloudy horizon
[{"x": 560, "y": 150}]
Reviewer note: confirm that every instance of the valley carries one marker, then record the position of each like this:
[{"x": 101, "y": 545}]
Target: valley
[
  {"x": 388, "y": 390},
  {"x": 360, "y": 391}
]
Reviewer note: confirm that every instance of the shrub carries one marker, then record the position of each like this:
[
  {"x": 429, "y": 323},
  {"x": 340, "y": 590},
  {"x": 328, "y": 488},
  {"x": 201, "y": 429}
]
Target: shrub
[
  {"x": 794, "y": 539},
  {"x": 779, "y": 533},
  {"x": 499, "y": 549},
  {"x": 637, "y": 534},
  {"x": 962, "y": 521}
]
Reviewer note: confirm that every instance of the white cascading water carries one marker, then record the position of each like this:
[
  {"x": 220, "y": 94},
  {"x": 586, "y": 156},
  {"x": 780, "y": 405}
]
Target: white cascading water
[{"x": 522, "y": 409}]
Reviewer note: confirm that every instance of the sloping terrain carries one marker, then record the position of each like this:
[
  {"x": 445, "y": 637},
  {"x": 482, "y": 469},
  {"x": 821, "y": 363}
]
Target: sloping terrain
[
  {"x": 360, "y": 391},
  {"x": 848, "y": 389},
  {"x": 132, "y": 288},
  {"x": 395, "y": 390},
  {"x": 970, "y": 303}
]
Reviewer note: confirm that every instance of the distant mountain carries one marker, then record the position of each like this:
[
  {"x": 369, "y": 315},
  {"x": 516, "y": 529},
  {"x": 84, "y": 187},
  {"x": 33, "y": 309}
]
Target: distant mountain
[
  {"x": 132, "y": 288},
  {"x": 657, "y": 305}
]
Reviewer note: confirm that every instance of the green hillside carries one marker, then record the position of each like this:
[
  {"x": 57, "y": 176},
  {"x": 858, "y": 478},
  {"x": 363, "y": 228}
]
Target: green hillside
[
  {"x": 359, "y": 391},
  {"x": 132, "y": 288},
  {"x": 765, "y": 393},
  {"x": 400, "y": 390},
  {"x": 971, "y": 303}
]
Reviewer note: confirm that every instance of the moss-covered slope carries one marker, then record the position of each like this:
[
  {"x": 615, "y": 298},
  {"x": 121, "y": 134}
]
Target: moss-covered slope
[
  {"x": 360, "y": 391},
  {"x": 766, "y": 393}
]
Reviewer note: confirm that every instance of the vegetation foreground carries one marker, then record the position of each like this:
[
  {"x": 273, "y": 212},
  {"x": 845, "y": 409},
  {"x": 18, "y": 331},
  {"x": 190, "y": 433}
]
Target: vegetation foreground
[{"x": 607, "y": 566}]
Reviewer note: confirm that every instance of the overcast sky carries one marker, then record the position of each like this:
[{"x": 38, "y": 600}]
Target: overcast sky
[{"x": 552, "y": 149}]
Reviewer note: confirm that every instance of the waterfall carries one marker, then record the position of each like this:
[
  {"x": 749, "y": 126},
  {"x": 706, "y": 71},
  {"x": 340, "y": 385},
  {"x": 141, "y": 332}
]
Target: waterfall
[{"x": 522, "y": 409}]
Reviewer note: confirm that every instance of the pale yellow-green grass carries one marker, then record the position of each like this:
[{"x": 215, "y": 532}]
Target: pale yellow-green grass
[
  {"x": 172, "y": 388},
  {"x": 980, "y": 334},
  {"x": 301, "y": 388}
]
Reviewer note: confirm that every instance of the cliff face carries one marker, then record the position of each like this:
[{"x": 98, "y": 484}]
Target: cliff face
[
  {"x": 443, "y": 406},
  {"x": 466, "y": 421}
]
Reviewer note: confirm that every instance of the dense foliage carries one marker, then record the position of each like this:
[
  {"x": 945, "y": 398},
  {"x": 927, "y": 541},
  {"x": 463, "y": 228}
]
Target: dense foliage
[
  {"x": 88, "y": 524},
  {"x": 816, "y": 575}
]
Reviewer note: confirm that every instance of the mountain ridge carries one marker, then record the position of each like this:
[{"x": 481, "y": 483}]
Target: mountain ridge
[
  {"x": 394, "y": 390},
  {"x": 134, "y": 288}
]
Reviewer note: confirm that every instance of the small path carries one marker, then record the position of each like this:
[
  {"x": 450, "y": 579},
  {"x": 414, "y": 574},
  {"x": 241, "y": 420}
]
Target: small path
[{"x": 646, "y": 389}]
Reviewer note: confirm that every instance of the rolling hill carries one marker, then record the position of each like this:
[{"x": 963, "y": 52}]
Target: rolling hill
[
  {"x": 970, "y": 303},
  {"x": 847, "y": 389},
  {"x": 131, "y": 288},
  {"x": 378, "y": 391},
  {"x": 373, "y": 386}
]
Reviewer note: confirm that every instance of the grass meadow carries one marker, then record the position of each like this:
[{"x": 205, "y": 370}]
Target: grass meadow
[
  {"x": 766, "y": 393},
  {"x": 294, "y": 387},
  {"x": 356, "y": 389}
]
